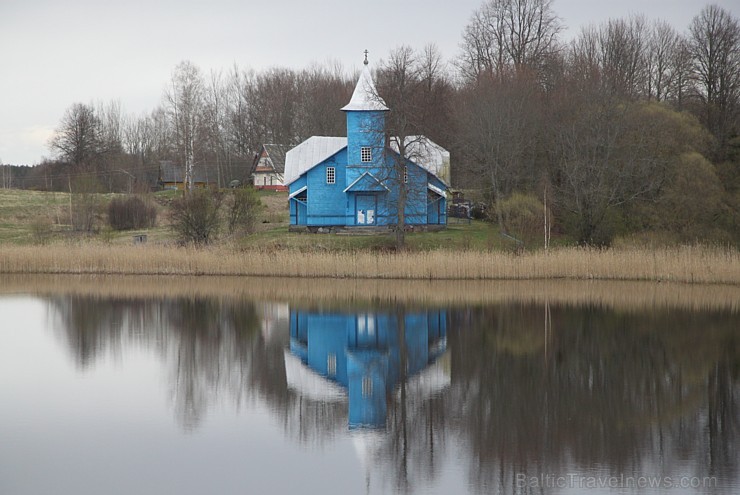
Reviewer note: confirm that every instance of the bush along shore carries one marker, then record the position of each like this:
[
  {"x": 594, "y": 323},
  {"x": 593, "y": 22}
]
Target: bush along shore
[{"x": 687, "y": 264}]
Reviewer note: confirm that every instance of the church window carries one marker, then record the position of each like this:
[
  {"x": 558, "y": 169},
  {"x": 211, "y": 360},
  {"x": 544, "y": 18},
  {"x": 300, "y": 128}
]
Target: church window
[
  {"x": 367, "y": 386},
  {"x": 330, "y": 175},
  {"x": 366, "y": 154},
  {"x": 331, "y": 364}
]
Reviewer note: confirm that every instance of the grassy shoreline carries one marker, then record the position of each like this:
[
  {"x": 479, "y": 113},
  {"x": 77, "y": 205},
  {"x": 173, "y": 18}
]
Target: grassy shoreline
[{"x": 687, "y": 264}]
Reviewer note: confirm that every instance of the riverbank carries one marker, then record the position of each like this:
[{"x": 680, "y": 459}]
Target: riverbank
[{"x": 688, "y": 264}]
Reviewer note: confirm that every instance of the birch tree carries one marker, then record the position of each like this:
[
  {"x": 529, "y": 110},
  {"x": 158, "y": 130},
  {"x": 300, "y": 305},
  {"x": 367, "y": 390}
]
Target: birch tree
[
  {"x": 6, "y": 176},
  {"x": 184, "y": 101}
]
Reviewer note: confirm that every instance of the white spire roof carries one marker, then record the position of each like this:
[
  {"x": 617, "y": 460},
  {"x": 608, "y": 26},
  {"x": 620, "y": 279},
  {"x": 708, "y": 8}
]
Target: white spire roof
[{"x": 365, "y": 96}]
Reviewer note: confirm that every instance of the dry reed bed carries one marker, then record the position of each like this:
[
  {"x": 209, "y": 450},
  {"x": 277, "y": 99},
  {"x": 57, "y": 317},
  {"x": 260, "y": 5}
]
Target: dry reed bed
[
  {"x": 344, "y": 293},
  {"x": 690, "y": 264}
]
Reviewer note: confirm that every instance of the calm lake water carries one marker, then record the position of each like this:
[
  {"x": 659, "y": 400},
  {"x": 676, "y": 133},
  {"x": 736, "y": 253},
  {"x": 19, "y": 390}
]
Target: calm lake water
[{"x": 229, "y": 395}]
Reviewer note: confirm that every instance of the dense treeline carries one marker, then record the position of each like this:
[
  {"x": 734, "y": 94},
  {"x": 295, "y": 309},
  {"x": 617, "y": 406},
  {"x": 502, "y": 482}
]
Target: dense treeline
[{"x": 631, "y": 127}]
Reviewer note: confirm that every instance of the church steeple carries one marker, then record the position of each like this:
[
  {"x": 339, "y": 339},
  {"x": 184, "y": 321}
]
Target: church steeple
[
  {"x": 365, "y": 97},
  {"x": 365, "y": 112}
]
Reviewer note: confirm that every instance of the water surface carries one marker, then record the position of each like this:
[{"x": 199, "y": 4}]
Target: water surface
[{"x": 205, "y": 393}]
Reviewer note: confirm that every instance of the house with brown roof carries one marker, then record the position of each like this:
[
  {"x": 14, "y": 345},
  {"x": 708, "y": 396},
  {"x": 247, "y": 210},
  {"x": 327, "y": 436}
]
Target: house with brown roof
[{"x": 268, "y": 168}]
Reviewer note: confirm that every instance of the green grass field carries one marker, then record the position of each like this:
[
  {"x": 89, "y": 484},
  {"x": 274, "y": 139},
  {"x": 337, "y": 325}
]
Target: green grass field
[
  {"x": 23, "y": 211},
  {"x": 33, "y": 217}
]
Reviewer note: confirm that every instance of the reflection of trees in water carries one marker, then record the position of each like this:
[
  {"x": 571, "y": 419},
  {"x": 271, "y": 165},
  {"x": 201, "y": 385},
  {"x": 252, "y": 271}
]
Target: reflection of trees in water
[
  {"x": 415, "y": 443},
  {"x": 208, "y": 348},
  {"x": 629, "y": 392},
  {"x": 620, "y": 393},
  {"x": 207, "y": 343},
  {"x": 93, "y": 326},
  {"x": 634, "y": 392},
  {"x": 212, "y": 348}
]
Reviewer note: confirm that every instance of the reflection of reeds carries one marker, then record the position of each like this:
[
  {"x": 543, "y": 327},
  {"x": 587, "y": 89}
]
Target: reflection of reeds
[
  {"x": 690, "y": 264},
  {"x": 346, "y": 293}
]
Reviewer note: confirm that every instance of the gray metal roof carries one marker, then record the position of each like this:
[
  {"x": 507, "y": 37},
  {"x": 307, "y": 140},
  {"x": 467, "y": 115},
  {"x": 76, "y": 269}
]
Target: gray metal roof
[
  {"x": 309, "y": 153},
  {"x": 428, "y": 154}
]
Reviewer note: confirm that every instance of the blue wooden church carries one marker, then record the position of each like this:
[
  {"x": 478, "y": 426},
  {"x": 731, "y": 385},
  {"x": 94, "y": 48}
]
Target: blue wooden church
[{"x": 355, "y": 181}]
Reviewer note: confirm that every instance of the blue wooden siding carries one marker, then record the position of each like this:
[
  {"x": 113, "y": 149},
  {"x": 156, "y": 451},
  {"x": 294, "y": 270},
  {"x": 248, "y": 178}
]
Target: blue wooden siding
[
  {"x": 441, "y": 203},
  {"x": 367, "y": 353},
  {"x": 367, "y": 385},
  {"x": 327, "y": 337},
  {"x": 297, "y": 207},
  {"x": 364, "y": 128},
  {"x": 327, "y": 202}
]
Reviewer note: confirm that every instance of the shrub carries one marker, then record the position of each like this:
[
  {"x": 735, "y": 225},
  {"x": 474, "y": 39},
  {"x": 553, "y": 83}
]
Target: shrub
[
  {"x": 523, "y": 216},
  {"x": 195, "y": 216},
  {"x": 131, "y": 213},
  {"x": 41, "y": 229},
  {"x": 692, "y": 198},
  {"x": 243, "y": 207},
  {"x": 85, "y": 203}
]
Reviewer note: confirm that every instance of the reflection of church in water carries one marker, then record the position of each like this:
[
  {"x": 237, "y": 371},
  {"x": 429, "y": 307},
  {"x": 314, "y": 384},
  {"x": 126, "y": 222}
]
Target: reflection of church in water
[{"x": 362, "y": 358}]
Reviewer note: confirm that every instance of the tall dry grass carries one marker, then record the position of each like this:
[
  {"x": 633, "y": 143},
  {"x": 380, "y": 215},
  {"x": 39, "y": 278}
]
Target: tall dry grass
[
  {"x": 689, "y": 264},
  {"x": 343, "y": 293}
]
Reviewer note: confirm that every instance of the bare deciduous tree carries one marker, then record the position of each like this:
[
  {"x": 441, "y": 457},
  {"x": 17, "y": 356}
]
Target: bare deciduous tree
[
  {"x": 506, "y": 33},
  {"x": 77, "y": 139},
  {"x": 498, "y": 122},
  {"x": 322, "y": 90},
  {"x": 663, "y": 43},
  {"x": 273, "y": 100},
  {"x": 240, "y": 129},
  {"x": 612, "y": 55},
  {"x": 623, "y": 45},
  {"x": 715, "y": 45},
  {"x": 409, "y": 83},
  {"x": 6, "y": 176}
]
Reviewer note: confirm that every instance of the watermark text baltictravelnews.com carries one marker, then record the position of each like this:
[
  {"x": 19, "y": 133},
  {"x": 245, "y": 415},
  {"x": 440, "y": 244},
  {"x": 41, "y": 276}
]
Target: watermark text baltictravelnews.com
[{"x": 574, "y": 480}]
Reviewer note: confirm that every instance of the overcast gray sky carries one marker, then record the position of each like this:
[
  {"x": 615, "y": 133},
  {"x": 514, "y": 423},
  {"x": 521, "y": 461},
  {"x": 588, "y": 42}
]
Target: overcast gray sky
[{"x": 54, "y": 53}]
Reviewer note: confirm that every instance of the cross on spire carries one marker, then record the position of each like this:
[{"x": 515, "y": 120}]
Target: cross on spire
[{"x": 365, "y": 62}]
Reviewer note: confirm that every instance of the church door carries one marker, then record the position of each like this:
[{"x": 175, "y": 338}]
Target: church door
[{"x": 365, "y": 209}]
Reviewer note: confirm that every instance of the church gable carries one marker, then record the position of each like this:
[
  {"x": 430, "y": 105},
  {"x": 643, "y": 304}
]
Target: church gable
[{"x": 367, "y": 182}]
